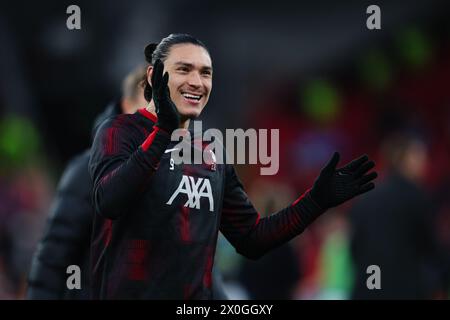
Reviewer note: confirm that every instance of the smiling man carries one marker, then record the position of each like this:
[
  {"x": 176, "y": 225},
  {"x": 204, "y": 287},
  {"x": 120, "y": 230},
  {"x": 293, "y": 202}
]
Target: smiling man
[
  {"x": 190, "y": 68},
  {"x": 156, "y": 226}
]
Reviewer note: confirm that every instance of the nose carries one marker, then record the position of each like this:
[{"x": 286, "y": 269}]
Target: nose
[{"x": 194, "y": 80}]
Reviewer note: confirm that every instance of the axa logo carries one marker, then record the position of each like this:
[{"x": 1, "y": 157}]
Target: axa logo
[{"x": 195, "y": 189}]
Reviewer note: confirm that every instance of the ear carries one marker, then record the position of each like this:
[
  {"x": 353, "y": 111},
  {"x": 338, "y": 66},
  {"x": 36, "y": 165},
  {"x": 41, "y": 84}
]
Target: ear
[
  {"x": 149, "y": 75},
  {"x": 125, "y": 106}
]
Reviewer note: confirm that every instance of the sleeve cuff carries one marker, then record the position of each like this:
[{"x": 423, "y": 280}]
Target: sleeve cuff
[
  {"x": 151, "y": 150},
  {"x": 308, "y": 209}
]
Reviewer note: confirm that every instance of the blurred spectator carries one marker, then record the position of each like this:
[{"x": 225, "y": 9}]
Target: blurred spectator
[
  {"x": 392, "y": 227},
  {"x": 335, "y": 265}
]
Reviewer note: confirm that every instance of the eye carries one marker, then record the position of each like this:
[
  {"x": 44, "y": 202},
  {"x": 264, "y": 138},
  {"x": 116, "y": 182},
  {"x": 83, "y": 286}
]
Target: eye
[
  {"x": 207, "y": 73},
  {"x": 183, "y": 69}
]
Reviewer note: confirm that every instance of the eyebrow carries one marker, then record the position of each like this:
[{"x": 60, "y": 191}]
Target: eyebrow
[{"x": 190, "y": 65}]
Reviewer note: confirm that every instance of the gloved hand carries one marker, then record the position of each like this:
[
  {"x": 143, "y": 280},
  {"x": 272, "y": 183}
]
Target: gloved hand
[
  {"x": 335, "y": 186},
  {"x": 168, "y": 116}
]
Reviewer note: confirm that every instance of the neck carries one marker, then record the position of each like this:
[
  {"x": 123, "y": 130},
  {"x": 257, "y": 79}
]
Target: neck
[{"x": 184, "y": 122}]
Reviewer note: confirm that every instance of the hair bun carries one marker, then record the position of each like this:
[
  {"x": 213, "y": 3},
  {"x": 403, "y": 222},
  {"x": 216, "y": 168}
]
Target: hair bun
[{"x": 148, "y": 51}]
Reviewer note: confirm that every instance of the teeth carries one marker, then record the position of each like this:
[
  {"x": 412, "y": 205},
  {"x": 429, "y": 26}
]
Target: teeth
[{"x": 191, "y": 96}]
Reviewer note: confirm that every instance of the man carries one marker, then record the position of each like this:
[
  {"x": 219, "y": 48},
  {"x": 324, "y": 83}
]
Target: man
[
  {"x": 156, "y": 225},
  {"x": 66, "y": 240},
  {"x": 392, "y": 228}
]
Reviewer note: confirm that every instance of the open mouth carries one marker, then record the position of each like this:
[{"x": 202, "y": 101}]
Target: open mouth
[{"x": 191, "y": 97}]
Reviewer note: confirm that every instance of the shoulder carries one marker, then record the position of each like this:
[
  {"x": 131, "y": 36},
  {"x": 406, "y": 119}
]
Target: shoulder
[
  {"x": 119, "y": 121},
  {"x": 125, "y": 124},
  {"x": 76, "y": 176}
]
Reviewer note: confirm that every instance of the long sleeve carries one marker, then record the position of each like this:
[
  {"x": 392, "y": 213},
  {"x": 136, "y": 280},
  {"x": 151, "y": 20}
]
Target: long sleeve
[
  {"x": 253, "y": 236},
  {"x": 122, "y": 162}
]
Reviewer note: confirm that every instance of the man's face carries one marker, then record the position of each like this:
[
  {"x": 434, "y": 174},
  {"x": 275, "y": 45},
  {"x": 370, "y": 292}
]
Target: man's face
[
  {"x": 131, "y": 105},
  {"x": 190, "y": 78}
]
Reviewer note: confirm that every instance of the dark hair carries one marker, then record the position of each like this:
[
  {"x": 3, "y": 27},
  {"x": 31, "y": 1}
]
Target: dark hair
[{"x": 155, "y": 51}]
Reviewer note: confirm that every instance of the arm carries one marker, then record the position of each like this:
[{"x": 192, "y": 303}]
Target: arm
[
  {"x": 120, "y": 170},
  {"x": 253, "y": 236},
  {"x": 119, "y": 167}
]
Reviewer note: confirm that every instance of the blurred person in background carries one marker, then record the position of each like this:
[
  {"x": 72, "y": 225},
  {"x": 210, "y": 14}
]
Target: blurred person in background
[
  {"x": 66, "y": 240},
  {"x": 393, "y": 227},
  {"x": 335, "y": 263},
  {"x": 150, "y": 242}
]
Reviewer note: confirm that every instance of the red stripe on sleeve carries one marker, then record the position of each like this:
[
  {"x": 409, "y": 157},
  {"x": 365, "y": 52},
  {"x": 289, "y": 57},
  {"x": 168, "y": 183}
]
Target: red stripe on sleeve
[
  {"x": 301, "y": 197},
  {"x": 257, "y": 220},
  {"x": 148, "y": 114},
  {"x": 148, "y": 142}
]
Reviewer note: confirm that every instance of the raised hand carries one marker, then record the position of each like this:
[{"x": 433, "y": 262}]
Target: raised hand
[
  {"x": 335, "y": 186},
  {"x": 168, "y": 116}
]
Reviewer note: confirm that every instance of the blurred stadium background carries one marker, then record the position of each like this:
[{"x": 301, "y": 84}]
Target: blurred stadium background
[{"x": 312, "y": 70}]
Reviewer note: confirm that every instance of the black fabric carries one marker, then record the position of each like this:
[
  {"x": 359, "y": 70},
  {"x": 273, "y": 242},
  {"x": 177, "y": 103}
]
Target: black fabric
[
  {"x": 66, "y": 238},
  {"x": 273, "y": 277},
  {"x": 111, "y": 110},
  {"x": 152, "y": 238},
  {"x": 392, "y": 228}
]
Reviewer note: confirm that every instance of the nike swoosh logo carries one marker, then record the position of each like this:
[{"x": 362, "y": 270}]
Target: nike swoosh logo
[{"x": 170, "y": 150}]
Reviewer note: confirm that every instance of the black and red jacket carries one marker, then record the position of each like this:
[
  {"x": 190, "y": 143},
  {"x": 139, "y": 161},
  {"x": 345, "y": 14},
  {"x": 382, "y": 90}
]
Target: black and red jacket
[{"x": 157, "y": 223}]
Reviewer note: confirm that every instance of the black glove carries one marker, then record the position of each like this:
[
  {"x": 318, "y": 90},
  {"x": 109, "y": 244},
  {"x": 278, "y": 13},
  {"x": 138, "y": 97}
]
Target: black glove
[
  {"x": 334, "y": 187},
  {"x": 168, "y": 117}
]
